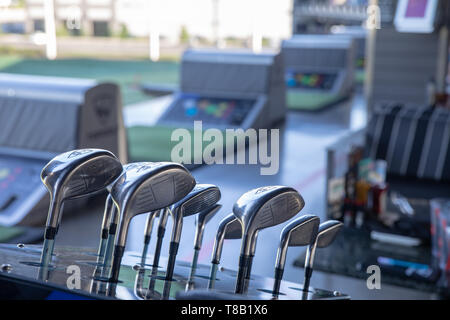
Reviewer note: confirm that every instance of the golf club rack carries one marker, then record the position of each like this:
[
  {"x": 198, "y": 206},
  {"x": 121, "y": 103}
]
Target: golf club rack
[{"x": 162, "y": 191}]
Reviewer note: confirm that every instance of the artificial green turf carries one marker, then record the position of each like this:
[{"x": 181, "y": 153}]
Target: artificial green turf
[
  {"x": 8, "y": 233},
  {"x": 360, "y": 76},
  {"x": 128, "y": 74},
  {"x": 310, "y": 101},
  {"x": 154, "y": 143}
]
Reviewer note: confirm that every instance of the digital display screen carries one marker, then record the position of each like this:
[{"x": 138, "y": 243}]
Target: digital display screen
[
  {"x": 416, "y": 8},
  {"x": 308, "y": 80},
  {"x": 210, "y": 110}
]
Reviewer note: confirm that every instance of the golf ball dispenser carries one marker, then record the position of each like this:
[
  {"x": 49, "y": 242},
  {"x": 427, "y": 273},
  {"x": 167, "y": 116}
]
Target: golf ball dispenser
[
  {"x": 42, "y": 117},
  {"x": 318, "y": 67},
  {"x": 228, "y": 89}
]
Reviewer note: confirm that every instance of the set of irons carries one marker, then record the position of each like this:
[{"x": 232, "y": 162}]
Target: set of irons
[{"x": 163, "y": 189}]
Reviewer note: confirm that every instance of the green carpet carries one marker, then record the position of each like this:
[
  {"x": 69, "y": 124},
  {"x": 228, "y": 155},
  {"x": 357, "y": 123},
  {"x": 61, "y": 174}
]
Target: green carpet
[
  {"x": 8, "y": 233},
  {"x": 360, "y": 76},
  {"x": 128, "y": 74},
  {"x": 154, "y": 143},
  {"x": 310, "y": 101}
]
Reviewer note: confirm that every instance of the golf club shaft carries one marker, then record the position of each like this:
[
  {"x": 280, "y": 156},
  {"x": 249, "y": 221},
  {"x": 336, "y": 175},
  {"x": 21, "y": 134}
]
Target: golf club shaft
[
  {"x": 102, "y": 247},
  {"x": 243, "y": 269},
  {"x": 249, "y": 269},
  {"x": 308, "y": 274},
  {"x": 277, "y": 280},
  {"x": 117, "y": 259},
  {"x": 212, "y": 275},
  {"x": 173, "y": 251},
  {"x": 194, "y": 264},
  {"x": 109, "y": 250}
]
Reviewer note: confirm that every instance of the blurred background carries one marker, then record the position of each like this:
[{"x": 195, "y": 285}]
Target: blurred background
[{"x": 358, "y": 88}]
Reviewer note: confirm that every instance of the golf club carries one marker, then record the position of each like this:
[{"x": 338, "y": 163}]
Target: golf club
[
  {"x": 111, "y": 217},
  {"x": 299, "y": 232},
  {"x": 259, "y": 209},
  {"x": 201, "y": 220},
  {"x": 148, "y": 231},
  {"x": 73, "y": 175},
  {"x": 163, "y": 217},
  {"x": 145, "y": 188},
  {"x": 328, "y": 231},
  {"x": 202, "y": 197}
]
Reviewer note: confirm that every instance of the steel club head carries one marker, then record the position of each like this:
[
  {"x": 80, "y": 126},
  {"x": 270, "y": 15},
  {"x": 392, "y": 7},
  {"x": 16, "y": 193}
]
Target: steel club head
[
  {"x": 328, "y": 231},
  {"x": 229, "y": 228},
  {"x": 201, "y": 219},
  {"x": 299, "y": 232},
  {"x": 76, "y": 174},
  {"x": 143, "y": 188},
  {"x": 326, "y": 234},
  {"x": 259, "y": 209},
  {"x": 202, "y": 197},
  {"x": 266, "y": 207},
  {"x": 147, "y": 187}
]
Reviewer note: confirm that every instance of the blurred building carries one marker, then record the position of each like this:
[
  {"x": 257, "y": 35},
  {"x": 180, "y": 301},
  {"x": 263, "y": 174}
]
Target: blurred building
[
  {"x": 89, "y": 17},
  {"x": 201, "y": 19}
]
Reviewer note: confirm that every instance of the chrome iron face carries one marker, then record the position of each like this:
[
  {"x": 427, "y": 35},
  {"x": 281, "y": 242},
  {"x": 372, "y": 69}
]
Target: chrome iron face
[
  {"x": 202, "y": 197},
  {"x": 266, "y": 207},
  {"x": 229, "y": 228},
  {"x": 327, "y": 233},
  {"x": 201, "y": 219},
  {"x": 142, "y": 188},
  {"x": 146, "y": 187},
  {"x": 76, "y": 174},
  {"x": 258, "y": 209},
  {"x": 109, "y": 215},
  {"x": 299, "y": 232}
]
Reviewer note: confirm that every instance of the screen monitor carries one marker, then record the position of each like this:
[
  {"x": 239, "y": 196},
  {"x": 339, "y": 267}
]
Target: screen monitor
[{"x": 415, "y": 16}]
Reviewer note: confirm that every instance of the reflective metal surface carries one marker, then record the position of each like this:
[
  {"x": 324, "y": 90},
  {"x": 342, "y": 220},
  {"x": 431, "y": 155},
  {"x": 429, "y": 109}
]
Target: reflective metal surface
[{"x": 23, "y": 262}]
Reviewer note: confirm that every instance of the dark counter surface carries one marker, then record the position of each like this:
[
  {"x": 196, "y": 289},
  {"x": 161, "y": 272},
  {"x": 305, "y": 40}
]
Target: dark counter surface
[{"x": 353, "y": 251}]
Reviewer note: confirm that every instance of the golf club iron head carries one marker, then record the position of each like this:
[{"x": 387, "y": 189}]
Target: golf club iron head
[
  {"x": 202, "y": 197},
  {"x": 201, "y": 219},
  {"x": 262, "y": 208},
  {"x": 144, "y": 188},
  {"x": 76, "y": 174},
  {"x": 326, "y": 234},
  {"x": 299, "y": 232}
]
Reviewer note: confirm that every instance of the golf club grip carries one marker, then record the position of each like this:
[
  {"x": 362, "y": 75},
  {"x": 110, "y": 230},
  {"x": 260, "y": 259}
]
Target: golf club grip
[
  {"x": 194, "y": 264},
  {"x": 157, "y": 253},
  {"x": 240, "y": 280},
  {"x": 308, "y": 274},
  {"x": 173, "y": 250},
  {"x": 156, "y": 261},
  {"x": 249, "y": 268},
  {"x": 212, "y": 274},
  {"x": 277, "y": 280},
  {"x": 50, "y": 233},
  {"x": 117, "y": 261},
  {"x": 112, "y": 228}
]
